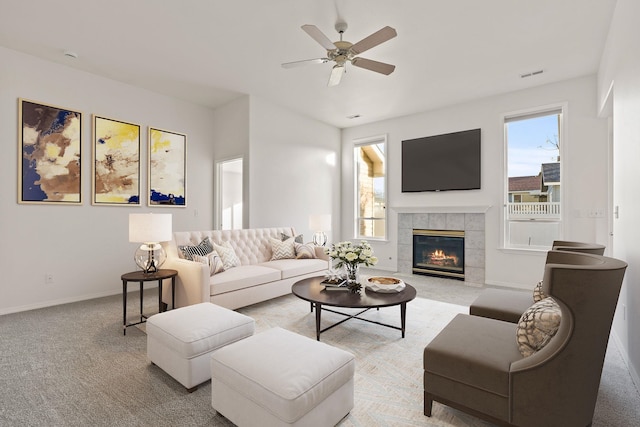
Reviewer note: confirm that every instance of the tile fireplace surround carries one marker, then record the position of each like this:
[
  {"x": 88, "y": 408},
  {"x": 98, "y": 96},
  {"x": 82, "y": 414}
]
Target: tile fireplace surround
[{"x": 471, "y": 222}]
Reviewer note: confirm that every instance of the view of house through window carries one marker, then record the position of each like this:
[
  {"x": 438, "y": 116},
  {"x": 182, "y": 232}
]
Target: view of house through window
[
  {"x": 371, "y": 189},
  {"x": 533, "y": 144}
]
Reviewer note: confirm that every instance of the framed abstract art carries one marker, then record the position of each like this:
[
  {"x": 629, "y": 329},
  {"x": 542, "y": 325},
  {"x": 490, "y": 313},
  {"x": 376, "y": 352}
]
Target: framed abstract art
[
  {"x": 116, "y": 162},
  {"x": 49, "y": 147},
  {"x": 167, "y": 168}
]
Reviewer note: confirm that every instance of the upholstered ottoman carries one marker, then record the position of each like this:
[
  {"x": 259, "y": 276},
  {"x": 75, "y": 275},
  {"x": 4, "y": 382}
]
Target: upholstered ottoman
[
  {"x": 180, "y": 341},
  {"x": 279, "y": 378}
]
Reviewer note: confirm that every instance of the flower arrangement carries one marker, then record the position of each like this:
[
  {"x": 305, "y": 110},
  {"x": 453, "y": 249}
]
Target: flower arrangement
[
  {"x": 346, "y": 253},
  {"x": 351, "y": 256}
]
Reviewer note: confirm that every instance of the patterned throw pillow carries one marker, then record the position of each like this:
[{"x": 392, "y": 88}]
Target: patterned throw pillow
[
  {"x": 537, "y": 326},
  {"x": 538, "y": 293},
  {"x": 298, "y": 239},
  {"x": 228, "y": 255},
  {"x": 202, "y": 249},
  {"x": 213, "y": 260},
  {"x": 282, "y": 249},
  {"x": 305, "y": 251}
]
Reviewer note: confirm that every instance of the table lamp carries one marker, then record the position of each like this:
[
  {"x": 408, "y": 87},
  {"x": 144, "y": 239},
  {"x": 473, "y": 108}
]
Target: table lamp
[
  {"x": 150, "y": 230},
  {"x": 319, "y": 224}
]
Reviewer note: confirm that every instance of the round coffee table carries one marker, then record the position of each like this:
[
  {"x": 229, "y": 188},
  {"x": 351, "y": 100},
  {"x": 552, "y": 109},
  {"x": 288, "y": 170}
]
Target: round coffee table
[{"x": 312, "y": 290}]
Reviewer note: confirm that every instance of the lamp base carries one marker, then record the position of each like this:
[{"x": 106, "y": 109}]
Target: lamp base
[
  {"x": 149, "y": 257},
  {"x": 319, "y": 238}
]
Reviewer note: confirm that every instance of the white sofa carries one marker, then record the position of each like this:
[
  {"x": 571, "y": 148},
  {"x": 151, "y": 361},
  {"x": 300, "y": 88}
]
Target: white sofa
[{"x": 256, "y": 279}]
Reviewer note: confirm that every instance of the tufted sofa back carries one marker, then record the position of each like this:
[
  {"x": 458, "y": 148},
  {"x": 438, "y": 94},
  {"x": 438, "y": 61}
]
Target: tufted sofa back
[{"x": 252, "y": 245}]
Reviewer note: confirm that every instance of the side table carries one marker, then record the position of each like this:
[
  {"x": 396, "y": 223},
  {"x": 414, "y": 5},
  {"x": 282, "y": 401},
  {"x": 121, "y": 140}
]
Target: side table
[{"x": 141, "y": 277}]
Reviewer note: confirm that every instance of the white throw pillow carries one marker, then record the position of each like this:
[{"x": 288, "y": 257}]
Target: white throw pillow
[
  {"x": 213, "y": 260},
  {"x": 228, "y": 255},
  {"x": 282, "y": 249}
]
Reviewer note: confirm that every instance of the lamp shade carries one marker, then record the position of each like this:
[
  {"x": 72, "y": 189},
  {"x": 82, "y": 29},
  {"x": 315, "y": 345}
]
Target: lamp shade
[
  {"x": 147, "y": 228},
  {"x": 320, "y": 222}
]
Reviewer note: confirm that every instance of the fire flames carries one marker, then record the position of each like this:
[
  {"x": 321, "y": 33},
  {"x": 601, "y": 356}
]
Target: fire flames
[{"x": 440, "y": 258}]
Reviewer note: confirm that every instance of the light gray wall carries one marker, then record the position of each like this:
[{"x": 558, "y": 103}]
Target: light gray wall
[
  {"x": 584, "y": 181},
  {"x": 86, "y": 247},
  {"x": 620, "y": 70},
  {"x": 295, "y": 169}
]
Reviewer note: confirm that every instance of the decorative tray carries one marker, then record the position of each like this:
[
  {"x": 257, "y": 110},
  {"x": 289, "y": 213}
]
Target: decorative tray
[{"x": 384, "y": 284}]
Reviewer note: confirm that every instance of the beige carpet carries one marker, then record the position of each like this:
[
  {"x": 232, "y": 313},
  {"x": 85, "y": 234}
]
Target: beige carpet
[{"x": 388, "y": 379}]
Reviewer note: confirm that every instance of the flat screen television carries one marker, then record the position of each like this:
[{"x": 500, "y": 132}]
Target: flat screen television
[{"x": 442, "y": 162}]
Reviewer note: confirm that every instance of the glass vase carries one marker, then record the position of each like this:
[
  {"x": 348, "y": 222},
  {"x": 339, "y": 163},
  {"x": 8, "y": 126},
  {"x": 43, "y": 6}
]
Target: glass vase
[{"x": 353, "y": 274}]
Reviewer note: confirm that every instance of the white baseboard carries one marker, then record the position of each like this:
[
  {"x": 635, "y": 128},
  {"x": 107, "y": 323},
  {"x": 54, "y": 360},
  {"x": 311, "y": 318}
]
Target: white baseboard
[{"x": 50, "y": 303}]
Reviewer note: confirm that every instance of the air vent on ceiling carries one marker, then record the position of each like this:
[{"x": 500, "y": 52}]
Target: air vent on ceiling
[{"x": 533, "y": 73}]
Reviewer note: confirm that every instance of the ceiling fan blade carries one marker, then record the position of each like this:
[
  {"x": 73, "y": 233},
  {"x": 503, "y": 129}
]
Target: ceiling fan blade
[
  {"x": 305, "y": 62},
  {"x": 336, "y": 75},
  {"x": 374, "y": 40},
  {"x": 318, "y": 36},
  {"x": 378, "y": 67}
]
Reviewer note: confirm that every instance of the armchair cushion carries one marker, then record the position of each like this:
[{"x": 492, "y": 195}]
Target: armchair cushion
[
  {"x": 538, "y": 293},
  {"x": 537, "y": 326}
]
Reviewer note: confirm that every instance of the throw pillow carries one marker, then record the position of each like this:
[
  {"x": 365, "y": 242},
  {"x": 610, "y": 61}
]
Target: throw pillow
[
  {"x": 228, "y": 255},
  {"x": 305, "y": 251},
  {"x": 202, "y": 249},
  {"x": 537, "y": 326},
  {"x": 282, "y": 249},
  {"x": 213, "y": 260},
  {"x": 538, "y": 293},
  {"x": 298, "y": 239}
]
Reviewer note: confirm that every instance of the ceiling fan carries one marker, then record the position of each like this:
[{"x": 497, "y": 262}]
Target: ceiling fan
[{"x": 342, "y": 52}]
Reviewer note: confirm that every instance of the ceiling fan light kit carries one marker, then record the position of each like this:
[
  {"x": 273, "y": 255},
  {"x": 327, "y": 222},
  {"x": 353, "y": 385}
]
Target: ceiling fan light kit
[{"x": 342, "y": 51}]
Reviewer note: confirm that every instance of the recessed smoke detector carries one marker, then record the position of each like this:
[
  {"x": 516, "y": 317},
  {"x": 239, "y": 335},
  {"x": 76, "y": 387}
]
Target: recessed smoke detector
[
  {"x": 532, "y": 73},
  {"x": 353, "y": 116},
  {"x": 70, "y": 54}
]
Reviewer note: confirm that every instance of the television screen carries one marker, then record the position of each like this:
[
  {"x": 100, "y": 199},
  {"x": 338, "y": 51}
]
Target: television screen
[{"x": 442, "y": 162}]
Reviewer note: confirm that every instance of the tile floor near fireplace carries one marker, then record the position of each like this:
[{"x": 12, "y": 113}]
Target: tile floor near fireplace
[{"x": 471, "y": 224}]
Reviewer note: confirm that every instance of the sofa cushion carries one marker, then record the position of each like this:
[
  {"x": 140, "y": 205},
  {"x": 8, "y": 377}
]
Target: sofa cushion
[
  {"x": 228, "y": 255},
  {"x": 448, "y": 355},
  {"x": 305, "y": 251},
  {"x": 202, "y": 248},
  {"x": 243, "y": 276},
  {"x": 296, "y": 267},
  {"x": 537, "y": 326},
  {"x": 282, "y": 249},
  {"x": 212, "y": 260}
]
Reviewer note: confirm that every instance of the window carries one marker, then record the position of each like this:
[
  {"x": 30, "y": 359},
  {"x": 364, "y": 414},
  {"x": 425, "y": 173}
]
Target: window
[
  {"x": 533, "y": 144},
  {"x": 371, "y": 188}
]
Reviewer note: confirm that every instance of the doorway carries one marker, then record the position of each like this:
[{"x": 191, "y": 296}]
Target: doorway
[{"x": 230, "y": 209}]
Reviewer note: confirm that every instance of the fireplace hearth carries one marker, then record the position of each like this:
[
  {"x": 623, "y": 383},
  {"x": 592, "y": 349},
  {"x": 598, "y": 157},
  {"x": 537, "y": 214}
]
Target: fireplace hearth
[{"x": 438, "y": 253}]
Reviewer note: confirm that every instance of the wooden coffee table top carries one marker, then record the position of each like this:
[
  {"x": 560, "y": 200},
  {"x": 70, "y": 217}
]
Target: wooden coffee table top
[{"x": 313, "y": 291}]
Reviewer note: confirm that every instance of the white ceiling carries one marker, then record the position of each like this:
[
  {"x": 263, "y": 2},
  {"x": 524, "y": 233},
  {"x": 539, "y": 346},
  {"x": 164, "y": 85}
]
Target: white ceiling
[{"x": 210, "y": 51}]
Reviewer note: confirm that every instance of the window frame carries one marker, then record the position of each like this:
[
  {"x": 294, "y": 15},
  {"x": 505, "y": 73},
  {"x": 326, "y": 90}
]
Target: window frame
[
  {"x": 530, "y": 113},
  {"x": 357, "y": 145}
]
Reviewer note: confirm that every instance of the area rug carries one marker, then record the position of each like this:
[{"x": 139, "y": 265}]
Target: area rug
[{"x": 388, "y": 377}]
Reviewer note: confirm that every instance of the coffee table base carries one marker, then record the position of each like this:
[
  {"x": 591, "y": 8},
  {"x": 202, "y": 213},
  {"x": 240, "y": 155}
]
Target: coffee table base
[{"x": 319, "y": 308}]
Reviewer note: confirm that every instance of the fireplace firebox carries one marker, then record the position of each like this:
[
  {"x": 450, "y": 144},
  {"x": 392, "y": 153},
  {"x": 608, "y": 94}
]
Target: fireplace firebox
[{"x": 439, "y": 253}]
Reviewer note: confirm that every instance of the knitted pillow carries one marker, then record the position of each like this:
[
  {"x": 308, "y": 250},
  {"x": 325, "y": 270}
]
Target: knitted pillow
[
  {"x": 282, "y": 249},
  {"x": 537, "y": 326},
  {"x": 228, "y": 255},
  {"x": 305, "y": 251},
  {"x": 213, "y": 260},
  {"x": 202, "y": 249},
  {"x": 538, "y": 293}
]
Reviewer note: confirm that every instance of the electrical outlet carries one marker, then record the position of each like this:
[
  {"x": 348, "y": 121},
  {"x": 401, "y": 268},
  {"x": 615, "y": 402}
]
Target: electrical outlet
[{"x": 48, "y": 278}]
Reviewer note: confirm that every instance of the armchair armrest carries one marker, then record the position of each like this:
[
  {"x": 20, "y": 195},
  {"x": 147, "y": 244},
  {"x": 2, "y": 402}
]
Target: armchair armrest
[{"x": 192, "y": 283}]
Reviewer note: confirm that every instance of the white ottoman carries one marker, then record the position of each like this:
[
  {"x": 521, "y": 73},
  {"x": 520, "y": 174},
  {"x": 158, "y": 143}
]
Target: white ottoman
[
  {"x": 180, "y": 341},
  {"x": 279, "y": 378}
]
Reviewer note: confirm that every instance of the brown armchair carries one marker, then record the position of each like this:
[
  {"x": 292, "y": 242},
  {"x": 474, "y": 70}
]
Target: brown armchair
[
  {"x": 509, "y": 304},
  {"x": 474, "y": 363}
]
